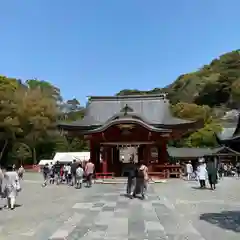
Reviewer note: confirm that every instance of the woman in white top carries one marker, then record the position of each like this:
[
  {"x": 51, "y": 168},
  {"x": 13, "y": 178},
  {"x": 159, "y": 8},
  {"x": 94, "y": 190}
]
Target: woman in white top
[
  {"x": 202, "y": 174},
  {"x": 10, "y": 187}
]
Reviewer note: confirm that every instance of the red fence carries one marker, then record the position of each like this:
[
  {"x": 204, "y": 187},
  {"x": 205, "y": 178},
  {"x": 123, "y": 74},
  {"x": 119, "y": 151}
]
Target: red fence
[{"x": 32, "y": 168}]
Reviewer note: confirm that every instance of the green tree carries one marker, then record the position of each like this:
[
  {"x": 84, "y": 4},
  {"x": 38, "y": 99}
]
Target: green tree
[
  {"x": 204, "y": 137},
  {"x": 37, "y": 113},
  {"x": 191, "y": 111},
  {"x": 21, "y": 152}
]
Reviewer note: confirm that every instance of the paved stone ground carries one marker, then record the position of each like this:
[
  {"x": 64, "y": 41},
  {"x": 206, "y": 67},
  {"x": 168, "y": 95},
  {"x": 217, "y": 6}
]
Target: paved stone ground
[{"x": 174, "y": 211}]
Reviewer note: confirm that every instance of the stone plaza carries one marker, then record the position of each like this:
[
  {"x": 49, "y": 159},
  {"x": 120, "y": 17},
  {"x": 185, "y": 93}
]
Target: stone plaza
[{"x": 175, "y": 210}]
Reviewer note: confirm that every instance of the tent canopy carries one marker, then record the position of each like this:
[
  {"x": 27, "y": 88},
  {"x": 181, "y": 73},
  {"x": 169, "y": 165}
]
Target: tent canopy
[
  {"x": 45, "y": 161},
  {"x": 65, "y": 157}
]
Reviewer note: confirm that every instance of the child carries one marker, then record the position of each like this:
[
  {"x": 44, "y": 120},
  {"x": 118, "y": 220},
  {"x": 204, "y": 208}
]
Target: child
[
  {"x": 52, "y": 175},
  {"x": 45, "y": 174},
  {"x": 79, "y": 176}
]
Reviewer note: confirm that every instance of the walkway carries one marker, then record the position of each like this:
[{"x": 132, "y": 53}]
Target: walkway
[{"x": 173, "y": 211}]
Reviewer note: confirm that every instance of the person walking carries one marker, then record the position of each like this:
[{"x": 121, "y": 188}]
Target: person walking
[
  {"x": 46, "y": 172},
  {"x": 11, "y": 187},
  {"x": 79, "y": 176},
  {"x": 21, "y": 171},
  {"x": 1, "y": 180},
  {"x": 141, "y": 181},
  {"x": 68, "y": 174},
  {"x": 57, "y": 170},
  {"x": 189, "y": 169},
  {"x": 202, "y": 173},
  {"x": 238, "y": 169},
  {"x": 212, "y": 172},
  {"x": 89, "y": 170},
  {"x": 73, "y": 172},
  {"x": 131, "y": 175}
]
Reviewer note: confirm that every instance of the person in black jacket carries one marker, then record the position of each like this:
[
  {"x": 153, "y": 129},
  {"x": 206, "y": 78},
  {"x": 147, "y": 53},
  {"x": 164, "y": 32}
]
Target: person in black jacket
[
  {"x": 57, "y": 169},
  {"x": 131, "y": 176},
  {"x": 73, "y": 171},
  {"x": 45, "y": 172}
]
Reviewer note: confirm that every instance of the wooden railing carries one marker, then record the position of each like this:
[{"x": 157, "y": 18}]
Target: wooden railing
[{"x": 166, "y": 171}]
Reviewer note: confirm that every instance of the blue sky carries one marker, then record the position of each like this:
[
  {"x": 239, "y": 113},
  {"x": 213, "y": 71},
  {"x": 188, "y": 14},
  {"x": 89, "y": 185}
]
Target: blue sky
[{"x": 98, "y": 47}]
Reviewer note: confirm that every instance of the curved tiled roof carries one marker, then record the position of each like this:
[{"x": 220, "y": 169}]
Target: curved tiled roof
[
  {"x": 127, "y": 120},
  {"x": 152, "y": 109}
]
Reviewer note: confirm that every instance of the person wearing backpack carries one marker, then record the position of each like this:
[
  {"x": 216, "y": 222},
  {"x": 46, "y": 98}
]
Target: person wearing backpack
[
  {"x": 141, "y": 180},
  {"x": 79, "y": 176}
]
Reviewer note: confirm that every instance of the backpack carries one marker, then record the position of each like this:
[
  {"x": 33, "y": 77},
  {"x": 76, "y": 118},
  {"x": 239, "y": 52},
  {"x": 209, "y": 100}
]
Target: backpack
[
  {"x": 79, "y": 172},
  {"x": 141, "y": 173}
]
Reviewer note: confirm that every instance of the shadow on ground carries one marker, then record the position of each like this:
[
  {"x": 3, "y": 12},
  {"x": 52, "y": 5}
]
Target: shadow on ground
[{"x": 229, "y": 220}]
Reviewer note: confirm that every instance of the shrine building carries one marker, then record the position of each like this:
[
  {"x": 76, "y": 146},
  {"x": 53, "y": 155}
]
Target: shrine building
[{"x": 141, "y": 121}]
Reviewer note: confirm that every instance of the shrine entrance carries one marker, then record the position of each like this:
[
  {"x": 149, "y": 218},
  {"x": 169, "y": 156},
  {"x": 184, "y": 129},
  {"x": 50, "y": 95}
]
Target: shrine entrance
[{"x": 116, "y": 158}]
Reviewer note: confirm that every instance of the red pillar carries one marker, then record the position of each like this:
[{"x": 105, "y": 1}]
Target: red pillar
[
  {"x": 104, "y": 160},
  {"x": 92, "y": 151},
  {"x": 95, "y": 155},
  {"x": 164, "y": 154}
]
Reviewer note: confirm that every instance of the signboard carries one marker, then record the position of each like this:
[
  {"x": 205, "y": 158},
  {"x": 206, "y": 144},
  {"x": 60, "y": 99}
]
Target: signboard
[{"x": 154, "y": 152}]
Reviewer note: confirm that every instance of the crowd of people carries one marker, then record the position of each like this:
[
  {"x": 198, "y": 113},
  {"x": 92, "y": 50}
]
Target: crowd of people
[
  {"x": 208, "y": 170},
  {"x": 72, "y": 174}
]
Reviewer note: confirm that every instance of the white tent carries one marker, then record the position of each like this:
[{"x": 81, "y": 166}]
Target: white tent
[
  {"x": 65, "y": 157},
  {"x": 45, "y": 161}
]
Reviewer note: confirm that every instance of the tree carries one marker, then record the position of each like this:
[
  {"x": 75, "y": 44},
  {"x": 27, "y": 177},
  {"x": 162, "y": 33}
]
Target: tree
[
  {"x": 191, "y": 111},
  {"x": 21, "y": 152},
  {"x": 28, "y": 114},
  {"x": 204, "y": 137},
  {"x": 46, "y": 88},
  {"x": 9, "y": 121},
  {"x": 37, "y": 113}
]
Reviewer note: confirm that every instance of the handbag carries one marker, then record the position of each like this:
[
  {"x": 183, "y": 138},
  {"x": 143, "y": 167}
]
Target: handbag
[{"x": 18, "y": 186}]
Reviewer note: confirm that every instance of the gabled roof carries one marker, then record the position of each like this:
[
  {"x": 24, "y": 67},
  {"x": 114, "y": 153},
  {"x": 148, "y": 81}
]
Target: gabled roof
[
  {"x": 224, "y": 150},
  {"x": 199, "y": 152},
  {"x": 152, "y": 109},
  {"x": 230, "y": 132},
  {"x": 188, "y": 152},
  {"x": 127, "y": 120}
]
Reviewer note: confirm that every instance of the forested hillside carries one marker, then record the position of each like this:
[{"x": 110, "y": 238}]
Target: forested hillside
[
  {"x": 216, "y": 84},
  {"x": 206, "y": 93}
]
